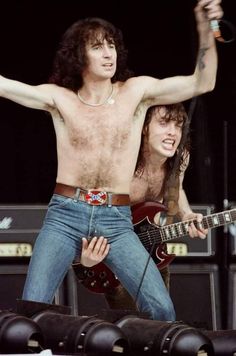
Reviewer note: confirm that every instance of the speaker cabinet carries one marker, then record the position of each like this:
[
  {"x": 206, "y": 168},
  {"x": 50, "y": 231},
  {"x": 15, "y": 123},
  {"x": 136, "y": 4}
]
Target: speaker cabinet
[
  {"x": 232, "y": 239},
  {"x": 12, "y": 280},
  {"x": 194, "y": 289},
  {"x": 81, "y": 300},
  {"x": 231, "y": 314},
  {"x": 231, "y": 230},
  {"x": 19, "y": 227}
]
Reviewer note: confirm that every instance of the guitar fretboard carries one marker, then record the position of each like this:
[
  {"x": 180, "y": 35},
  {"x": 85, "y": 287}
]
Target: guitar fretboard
[
  {"x": 180, "y": 229},
  {"x": 157, "y": 235}
]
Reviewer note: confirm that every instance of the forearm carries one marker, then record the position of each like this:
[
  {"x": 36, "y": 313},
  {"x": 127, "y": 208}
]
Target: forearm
[
  {"x": 206, "y": 65},
  {"x": 184, "y": 207},
  {"x": 186, "y": 213}
]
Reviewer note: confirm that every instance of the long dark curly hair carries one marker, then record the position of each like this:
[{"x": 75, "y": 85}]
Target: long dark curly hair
[
  {"x": 70, "y": 59},
  {"x": 175, "y": 164}
]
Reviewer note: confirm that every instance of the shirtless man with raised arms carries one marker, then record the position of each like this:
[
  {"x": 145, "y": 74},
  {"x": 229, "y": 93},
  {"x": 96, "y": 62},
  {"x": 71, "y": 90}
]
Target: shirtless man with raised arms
[{"x": 98, "y": 112}]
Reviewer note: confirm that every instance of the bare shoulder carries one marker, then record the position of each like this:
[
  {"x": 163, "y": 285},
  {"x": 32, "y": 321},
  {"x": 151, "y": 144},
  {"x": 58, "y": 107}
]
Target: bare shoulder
[
  {"x": 53, "y": 89},
  {"x": 140, "y": 82},
  {"x": 150, "y": 87},
  {"x": 137, "y": 90},
  {"x": 59, "y": 96},
  {"x": 58, "y": 93},
  {"x": 139, "y": 87}
]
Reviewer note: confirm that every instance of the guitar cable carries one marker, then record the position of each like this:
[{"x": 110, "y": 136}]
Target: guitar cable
[{"x": 144, "y": 273}]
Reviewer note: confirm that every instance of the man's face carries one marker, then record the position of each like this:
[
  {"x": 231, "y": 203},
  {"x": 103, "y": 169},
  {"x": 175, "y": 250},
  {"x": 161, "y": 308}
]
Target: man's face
[
  {"x": 163, "y": 135},
  {"x": 102, "y": 58}
]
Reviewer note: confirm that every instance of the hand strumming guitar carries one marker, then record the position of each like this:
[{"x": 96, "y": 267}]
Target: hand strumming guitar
[{"x": 93, "y": 251}]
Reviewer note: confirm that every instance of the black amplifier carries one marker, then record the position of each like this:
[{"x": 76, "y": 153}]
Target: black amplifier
[
  {"x": 195, "y": 291},
  {"x": 231, "y": 231},
  {"x": 232, "y": 240},
  {"x": 19, "y": 227},
  {"x": 187, "y": 246}
]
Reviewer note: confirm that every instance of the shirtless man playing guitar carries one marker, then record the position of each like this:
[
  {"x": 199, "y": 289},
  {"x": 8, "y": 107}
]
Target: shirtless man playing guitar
[{"x": 166, "y": 129}]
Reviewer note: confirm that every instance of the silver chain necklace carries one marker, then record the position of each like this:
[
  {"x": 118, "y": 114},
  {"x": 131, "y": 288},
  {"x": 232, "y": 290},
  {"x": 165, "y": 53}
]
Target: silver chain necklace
[{"x": 109, "y": 99}]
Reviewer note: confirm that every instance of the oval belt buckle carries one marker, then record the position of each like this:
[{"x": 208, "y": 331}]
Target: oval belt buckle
[{"x": 96, "y": 197}]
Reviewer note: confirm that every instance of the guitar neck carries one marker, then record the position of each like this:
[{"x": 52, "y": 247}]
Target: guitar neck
[{"x": 180, "y": 229}]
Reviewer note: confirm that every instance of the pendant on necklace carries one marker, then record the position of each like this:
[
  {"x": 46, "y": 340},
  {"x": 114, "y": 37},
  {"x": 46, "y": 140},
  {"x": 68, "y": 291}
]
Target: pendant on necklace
[{"x": 110, "y": 101}]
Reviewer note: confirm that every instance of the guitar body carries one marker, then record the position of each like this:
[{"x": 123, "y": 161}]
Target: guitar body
[
  {"x": 99, "y": 278},
  {"x": 157, "y": 250},
  {"x": 147, "y": 209},
  {"x": 144, "y": 226}
]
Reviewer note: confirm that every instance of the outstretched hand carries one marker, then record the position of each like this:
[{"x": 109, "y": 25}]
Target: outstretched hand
[{"x": 93, "y": 251}]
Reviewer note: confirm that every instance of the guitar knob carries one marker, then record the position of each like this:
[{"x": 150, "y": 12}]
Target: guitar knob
[
  {"x": 102, "y": 275},
  {"x": 93, "y": 283},
  {"x": 90, "y": 273}
]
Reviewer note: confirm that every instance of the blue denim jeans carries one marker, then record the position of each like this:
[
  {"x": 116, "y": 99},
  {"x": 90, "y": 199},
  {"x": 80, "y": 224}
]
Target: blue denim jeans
[{"x": 59, "y": 243}]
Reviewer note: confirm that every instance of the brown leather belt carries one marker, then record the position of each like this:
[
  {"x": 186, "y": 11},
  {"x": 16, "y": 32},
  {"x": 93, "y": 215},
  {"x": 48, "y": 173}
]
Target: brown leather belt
[{"x": 92, "y": 196}]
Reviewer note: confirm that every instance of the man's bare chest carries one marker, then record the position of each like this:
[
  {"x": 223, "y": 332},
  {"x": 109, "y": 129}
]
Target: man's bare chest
[{"x": 147, "y": 188}]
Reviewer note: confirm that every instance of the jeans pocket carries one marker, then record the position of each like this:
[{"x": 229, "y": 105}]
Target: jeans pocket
[
  {"x": 123, "y": 212},
  {"x": 59, "y": 201}
]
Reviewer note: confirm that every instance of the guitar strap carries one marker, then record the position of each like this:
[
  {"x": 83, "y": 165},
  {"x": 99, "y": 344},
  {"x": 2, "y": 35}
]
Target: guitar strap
[{"x": 171, "y": 198}]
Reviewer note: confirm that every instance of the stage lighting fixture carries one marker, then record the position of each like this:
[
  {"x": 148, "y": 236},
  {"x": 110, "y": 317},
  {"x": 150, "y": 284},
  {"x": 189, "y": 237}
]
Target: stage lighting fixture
[
  {"x": 19, "y": 334},
  {"x": 224, "y": 342},
  {"x": 83, "y": 335},
  {"x": 151, "y": 337}
]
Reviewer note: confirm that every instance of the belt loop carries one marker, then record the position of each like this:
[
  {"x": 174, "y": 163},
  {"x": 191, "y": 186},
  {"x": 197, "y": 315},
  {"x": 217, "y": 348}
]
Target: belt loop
[
  {"x": 76, "y": 196},
  {"x": 109, "y": 200}
]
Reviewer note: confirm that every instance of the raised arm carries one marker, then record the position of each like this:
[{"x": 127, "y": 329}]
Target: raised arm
[
  {"x": 35, "y": 97},
  {"x": 180, "y": 88},
  {"x": 206, "y": 66}
]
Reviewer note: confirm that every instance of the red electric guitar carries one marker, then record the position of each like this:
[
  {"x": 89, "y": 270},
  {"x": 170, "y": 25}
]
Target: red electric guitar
[{"x": 100, "y": 278}]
